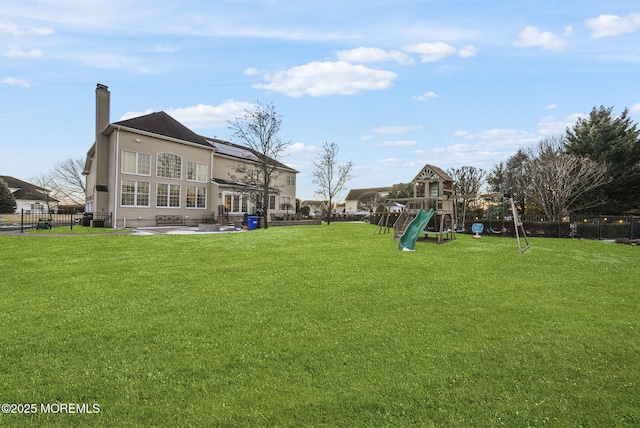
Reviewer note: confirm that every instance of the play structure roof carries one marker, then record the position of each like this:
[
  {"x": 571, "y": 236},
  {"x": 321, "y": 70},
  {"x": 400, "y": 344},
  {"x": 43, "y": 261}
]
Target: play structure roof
[{"x": 432, "y": 173}]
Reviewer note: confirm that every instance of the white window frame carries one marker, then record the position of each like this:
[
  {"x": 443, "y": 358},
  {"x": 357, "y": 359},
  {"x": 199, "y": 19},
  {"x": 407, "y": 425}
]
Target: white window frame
[
  {"x": 239, "y": 201},
  {"x": 198, "y": 168},
  {"x": 196, "y": 190},
  {"x": 169, "y": 195},
  {"x": 139, "y": 157},
  {"x": 136, "y": 193}
]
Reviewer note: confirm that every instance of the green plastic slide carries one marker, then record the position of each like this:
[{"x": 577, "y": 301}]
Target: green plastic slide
[{"x": 414, "y": 229}]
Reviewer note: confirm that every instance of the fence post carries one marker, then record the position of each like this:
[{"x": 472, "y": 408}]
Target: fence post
[
  {"x": 599, "y": 228},
  {"x": 21, "y": 220}
]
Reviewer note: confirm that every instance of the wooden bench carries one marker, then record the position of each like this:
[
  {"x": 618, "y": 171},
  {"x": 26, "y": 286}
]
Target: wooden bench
[{"x": 169, "y": 220}]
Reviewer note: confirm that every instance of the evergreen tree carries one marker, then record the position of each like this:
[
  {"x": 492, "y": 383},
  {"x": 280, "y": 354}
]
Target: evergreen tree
[
  {"x": 7, "y": 201},
  {"x": 615, "y": 142}
]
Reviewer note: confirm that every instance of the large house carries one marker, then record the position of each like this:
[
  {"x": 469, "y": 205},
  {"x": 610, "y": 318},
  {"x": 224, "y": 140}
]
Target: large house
[
  {"x": 150, "y": 167},
  {"x": 29, "y": 197}
]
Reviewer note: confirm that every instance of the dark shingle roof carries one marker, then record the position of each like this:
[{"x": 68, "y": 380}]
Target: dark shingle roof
[
  {"x": 162, "y": 124},
  {"x": 26, "y": 191},
  {"x": 356, "y": 194}
]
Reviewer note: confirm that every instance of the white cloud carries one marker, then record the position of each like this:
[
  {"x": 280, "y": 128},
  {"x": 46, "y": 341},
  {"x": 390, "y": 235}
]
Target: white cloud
[
  {"x": 551, "y": 107},
  {"x": 16, "y": 82},
  {"x": 431, "y": 52},
  {"x": 400, "y": 129},
  {"x": 363, "y": 55},
  {"x": 468, "y": 51},
  {"x": 551, "y": 126},
  {"x": 390, "y": 162},
  {"x": 319, "y": 79},
  {"x": 613, "y": 25},
  {"x": 425, "y": 97},
  {"x": 207, "y": 116},
  {"x": 461, "y": 134},
  {"x": 15, "y": 52},
  {"x": 132, "y": 114},
  {"x": 296, "y": 148},
  {"x": 504, "y": 136},
  {"x": 635, "y": 109},
  {"x": 300, "y": 156},
  {"x": 254, "y": 72},
  {"x": 15, "y": 31},
  {"x": 533, "y": 37},
  {"x": 398, "y": 143},
  {"x": 164, "y": 49},
  {"x": 202, "y": 115}
]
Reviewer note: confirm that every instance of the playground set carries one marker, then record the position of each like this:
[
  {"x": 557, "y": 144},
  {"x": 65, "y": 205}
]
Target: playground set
[{"x": 431, "y": 212}]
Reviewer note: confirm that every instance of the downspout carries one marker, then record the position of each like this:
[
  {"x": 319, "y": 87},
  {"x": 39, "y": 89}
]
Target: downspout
[
  {"x": 211, "y": 192},
  {"x": 115, "y": 185}
]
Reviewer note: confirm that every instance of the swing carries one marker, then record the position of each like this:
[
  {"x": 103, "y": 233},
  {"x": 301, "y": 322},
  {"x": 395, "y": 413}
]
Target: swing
[{"x": 504, "y": 229}]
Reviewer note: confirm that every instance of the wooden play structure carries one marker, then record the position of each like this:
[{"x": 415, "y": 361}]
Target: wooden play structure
[{"x": 432, "y": 189}]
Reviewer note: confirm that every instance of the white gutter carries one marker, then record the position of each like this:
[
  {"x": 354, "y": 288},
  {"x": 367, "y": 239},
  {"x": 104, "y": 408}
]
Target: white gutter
[{"x": 115, "y": 185}]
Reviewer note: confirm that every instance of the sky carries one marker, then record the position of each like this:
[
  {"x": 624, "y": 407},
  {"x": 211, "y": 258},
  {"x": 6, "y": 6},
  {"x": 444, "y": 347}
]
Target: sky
[{"x": 397, "y": 84}]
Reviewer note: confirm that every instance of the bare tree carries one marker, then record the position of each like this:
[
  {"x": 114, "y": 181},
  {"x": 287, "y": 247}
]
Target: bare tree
[
  {"x": 258, "y": 129},
  {"x": 468, "y": 182},
  {"x": 560, "y": 180},
  {"x": 44, "y": 183},
  {"x": 510, "y": 178},
  {"x": 369, "y": 201},
  {"x": 67, "y": 182},
  {"x": 330, "y": 174}
]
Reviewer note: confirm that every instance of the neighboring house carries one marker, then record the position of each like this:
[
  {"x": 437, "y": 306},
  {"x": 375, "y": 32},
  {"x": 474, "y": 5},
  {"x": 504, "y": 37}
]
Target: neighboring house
[
  {"x": 358, "y": 200},
  {"x": 315, "y": 207},
  {"x": 153, "y": 165},
  {"x": 29, "y": 197}
]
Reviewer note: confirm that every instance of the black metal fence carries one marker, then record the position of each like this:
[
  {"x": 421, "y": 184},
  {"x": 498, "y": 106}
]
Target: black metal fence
[
  {"x": 48, "y": 220},
  {"x": 602, "y": 227},
  {"x": 338, "y": 217}
]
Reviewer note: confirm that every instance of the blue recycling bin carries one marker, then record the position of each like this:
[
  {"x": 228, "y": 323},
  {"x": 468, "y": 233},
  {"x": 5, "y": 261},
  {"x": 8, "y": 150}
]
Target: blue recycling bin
[{"x": 252, "y": 223}]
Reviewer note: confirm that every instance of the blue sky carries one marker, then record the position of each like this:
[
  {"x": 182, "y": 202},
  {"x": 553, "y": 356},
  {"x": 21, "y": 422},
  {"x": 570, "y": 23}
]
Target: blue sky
[{"x": 397, "y": 83}]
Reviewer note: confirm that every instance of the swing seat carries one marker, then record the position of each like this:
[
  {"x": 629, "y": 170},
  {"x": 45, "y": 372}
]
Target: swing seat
[{"x": 496, "y": 232}]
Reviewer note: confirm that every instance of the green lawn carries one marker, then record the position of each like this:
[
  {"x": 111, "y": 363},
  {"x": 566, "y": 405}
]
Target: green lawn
[{"x": 319, "y": 326}]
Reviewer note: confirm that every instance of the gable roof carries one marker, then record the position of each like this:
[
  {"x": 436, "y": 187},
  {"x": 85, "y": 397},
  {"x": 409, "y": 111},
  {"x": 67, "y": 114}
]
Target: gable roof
[
  {"x": 432, "y": 173},
  {"x": 161, "y": 123},
  {"x": 356, "y": 194},
  {"x": 26, "y": 191}
]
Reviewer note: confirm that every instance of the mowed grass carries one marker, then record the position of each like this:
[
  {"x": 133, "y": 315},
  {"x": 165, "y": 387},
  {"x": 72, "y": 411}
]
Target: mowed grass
[{"x": 319, "y": 326}]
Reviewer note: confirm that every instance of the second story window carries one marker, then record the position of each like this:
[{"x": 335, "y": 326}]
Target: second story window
[
  {"x": 136, "y": 163},
  {"x": 196, "y": 172},
  {"x": 168, "y": 165}
]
